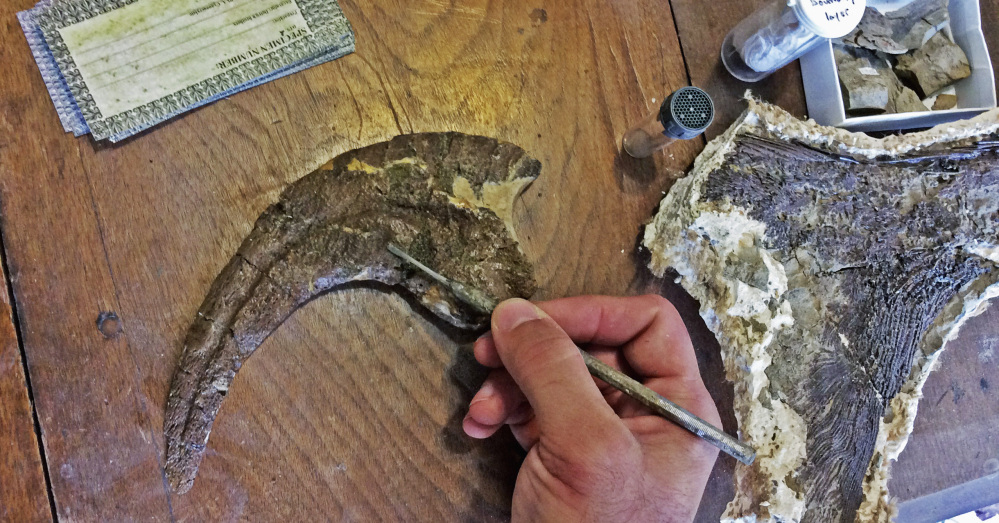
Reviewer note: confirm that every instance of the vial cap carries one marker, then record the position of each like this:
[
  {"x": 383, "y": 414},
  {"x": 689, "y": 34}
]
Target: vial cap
[
  {"x": 829, "y": 18},
  {"x": 686, "y": 113}
]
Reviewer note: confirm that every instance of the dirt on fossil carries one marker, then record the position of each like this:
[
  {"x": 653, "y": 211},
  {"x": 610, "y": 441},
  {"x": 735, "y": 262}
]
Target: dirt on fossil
[{"x": 446, "y": 198}]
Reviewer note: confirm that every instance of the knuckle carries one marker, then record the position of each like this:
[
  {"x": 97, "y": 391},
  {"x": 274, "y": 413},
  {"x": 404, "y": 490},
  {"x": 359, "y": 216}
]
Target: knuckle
[{"x": 662, "y": 306}]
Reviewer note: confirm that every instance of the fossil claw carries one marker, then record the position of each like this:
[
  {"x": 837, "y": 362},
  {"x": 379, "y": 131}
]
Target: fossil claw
[{"x": 447, "y": 198}]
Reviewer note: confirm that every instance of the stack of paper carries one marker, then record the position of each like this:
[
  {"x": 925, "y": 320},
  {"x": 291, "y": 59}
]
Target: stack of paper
[{"x": 117, "y": 67}]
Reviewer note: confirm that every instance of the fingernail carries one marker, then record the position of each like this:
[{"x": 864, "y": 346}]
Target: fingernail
[
  {"x": 485, "y": 392},
  {"x": 512, "y": 313}
]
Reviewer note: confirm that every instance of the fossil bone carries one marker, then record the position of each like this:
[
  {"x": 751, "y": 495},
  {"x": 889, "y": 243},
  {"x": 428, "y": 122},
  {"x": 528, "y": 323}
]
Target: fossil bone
[
  {"x": 833, "y": 268},
  {"x": 447, "y": 198}
]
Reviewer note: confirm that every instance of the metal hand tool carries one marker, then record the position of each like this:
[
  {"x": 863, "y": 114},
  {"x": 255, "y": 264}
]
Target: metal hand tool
[{"x": 665, "y": 408}]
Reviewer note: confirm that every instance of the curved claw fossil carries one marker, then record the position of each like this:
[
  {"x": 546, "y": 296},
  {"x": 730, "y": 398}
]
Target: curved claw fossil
[{"x": 447, "y": 198}]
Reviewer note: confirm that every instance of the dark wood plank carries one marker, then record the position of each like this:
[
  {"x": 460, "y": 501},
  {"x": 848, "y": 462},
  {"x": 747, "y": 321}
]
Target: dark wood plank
[
  {"x": 142, "y": 229},
  {"x": 23, "y": 493},
  {"x": 990, "y": 26},
  {"x": 954, "y": 440},
  {"x": 702, "y": 26}
]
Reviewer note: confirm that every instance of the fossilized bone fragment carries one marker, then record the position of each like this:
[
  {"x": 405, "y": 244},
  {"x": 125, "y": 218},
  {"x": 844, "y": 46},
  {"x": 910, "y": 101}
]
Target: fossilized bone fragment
[
  {"x": 446, "y": 198},
  {"x": 833, "y": 267}
]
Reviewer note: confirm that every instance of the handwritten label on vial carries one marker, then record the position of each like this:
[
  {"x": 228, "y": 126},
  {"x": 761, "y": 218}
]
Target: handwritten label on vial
[
  {"x": 830, "y": 18},
  {"x": 836, "y": 10}
]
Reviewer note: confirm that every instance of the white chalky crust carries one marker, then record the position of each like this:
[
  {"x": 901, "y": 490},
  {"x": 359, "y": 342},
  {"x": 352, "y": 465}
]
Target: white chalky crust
[{"x": 699, "y": 239}]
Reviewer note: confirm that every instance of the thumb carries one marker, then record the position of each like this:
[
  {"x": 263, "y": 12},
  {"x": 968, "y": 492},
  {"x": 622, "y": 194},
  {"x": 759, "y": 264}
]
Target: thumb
[{"x": 548, "y": 368}]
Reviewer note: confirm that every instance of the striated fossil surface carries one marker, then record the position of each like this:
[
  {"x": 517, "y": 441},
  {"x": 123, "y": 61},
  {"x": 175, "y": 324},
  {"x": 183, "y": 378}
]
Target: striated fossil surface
[
  {"x": 446, "y": 198},
  {"x": 833, "y": 268}
]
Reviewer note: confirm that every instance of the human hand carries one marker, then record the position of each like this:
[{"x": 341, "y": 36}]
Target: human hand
[{"x": 594, "y": 453}]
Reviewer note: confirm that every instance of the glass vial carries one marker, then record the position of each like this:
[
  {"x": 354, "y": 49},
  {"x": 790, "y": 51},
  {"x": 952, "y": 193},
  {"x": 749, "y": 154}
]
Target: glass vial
[
  {"x": 647, "y": 137},
  {"x": 685, "y": 114},
  {"x": 784, "y": 30}
]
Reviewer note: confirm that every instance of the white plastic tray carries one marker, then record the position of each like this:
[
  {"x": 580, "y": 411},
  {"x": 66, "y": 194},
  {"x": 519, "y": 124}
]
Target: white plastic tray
[{"x": 975, "y": 94}]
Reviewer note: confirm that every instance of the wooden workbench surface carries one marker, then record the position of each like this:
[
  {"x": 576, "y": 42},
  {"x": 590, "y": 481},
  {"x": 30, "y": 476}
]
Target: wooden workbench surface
[{"x": 352, "y": 409}]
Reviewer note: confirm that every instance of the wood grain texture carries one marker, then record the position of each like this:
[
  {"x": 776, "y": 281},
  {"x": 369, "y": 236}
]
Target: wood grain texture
[
  {"x": 142, "y": 228},
  {"x": 23, "y": 493},
  {"x": 352, "y": 409}
]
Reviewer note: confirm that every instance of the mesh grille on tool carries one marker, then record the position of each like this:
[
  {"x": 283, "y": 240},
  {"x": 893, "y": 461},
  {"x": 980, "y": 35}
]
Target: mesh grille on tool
[{"x": 692, "y": 108}]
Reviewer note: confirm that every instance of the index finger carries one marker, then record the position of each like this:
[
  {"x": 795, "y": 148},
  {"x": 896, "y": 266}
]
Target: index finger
[{"x": 652, "y": 335}]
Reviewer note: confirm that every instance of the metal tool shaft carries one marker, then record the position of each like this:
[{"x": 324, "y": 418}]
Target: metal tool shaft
[
  {"x": 669, "y": 410},
  {"x": 644, "y": 395}
]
